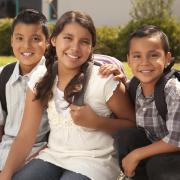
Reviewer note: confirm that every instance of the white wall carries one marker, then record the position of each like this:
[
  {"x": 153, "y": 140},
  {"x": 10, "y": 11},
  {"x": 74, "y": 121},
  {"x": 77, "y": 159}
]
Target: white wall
[
  {"x": 103, "y": 12},
  {"x": 176, "y": 9}
]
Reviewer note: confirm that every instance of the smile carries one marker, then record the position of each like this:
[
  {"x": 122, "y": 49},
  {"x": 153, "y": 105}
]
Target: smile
[
  {"x": 27, "y": 54},
  {"x": 72, "y": 56}
]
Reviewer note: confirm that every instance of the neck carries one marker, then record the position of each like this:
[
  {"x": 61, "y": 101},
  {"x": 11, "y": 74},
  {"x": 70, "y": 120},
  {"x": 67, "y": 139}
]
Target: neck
[
  {"x": 64, "y": 76},
  {"x": 147, "y": 89},
  {"x": 25, "y": 69}
]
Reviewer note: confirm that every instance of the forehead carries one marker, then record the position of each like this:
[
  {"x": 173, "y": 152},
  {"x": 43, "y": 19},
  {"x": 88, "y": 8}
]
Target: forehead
[
  {"x": 28, "y": 29},
  {"x": 76, "y": 28},
  {"x": 144, "y": 43}
]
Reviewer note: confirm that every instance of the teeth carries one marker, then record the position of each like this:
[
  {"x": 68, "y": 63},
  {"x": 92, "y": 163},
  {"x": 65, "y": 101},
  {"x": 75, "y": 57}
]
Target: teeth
[
  {"x": 27, "y": 54},
  {"x": 146, "y": 71},
  {"x": 71, "y": 56}
]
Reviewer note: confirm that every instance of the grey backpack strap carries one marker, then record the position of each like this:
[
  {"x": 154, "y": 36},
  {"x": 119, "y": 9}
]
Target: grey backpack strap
[{"x": 79, "y": 98}]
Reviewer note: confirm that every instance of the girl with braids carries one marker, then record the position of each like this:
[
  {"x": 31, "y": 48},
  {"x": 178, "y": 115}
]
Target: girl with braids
[{"x": 80, "y": 145}]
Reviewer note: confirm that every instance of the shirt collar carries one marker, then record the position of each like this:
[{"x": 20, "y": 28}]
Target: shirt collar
[
  {"x": 140, "y": 95},
  {"x": 16, "y": 73}
]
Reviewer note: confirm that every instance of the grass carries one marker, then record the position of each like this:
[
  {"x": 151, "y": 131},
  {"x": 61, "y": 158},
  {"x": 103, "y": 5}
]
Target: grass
[{"x": 7, "y": 59}]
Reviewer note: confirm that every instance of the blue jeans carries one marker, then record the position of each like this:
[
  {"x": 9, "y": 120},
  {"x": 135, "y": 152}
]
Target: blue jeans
[{"x": 38, "y": 169}]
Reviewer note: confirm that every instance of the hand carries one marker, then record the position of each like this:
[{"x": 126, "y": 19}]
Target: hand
[
  {"x": 129, "y": 163},
  {"x": 107, "y": 69},
  {"x": 84, "y": 116},
  {"x": 4, "y": 176}
]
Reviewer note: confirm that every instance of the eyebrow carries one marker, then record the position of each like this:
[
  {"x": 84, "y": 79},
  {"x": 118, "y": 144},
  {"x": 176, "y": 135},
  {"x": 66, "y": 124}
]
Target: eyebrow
[{"x": 18, "y": 34}]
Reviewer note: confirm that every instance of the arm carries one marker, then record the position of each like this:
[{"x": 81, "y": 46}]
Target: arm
[
  {"x": 119, "y": 104},
  {"x": 131, "y": 161},
  {"x": 29, "y": 126}
]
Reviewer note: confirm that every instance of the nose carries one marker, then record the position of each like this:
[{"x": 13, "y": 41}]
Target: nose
[
  {"x": 144, "y": 60},
  {"x": 75, "y": 46},
  {"x": 27, "y": 44}
]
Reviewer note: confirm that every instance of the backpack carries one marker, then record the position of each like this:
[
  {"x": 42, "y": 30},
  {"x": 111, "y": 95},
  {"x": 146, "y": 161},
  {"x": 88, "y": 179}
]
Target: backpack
[
  {"x": 159, "y": 95},
  {"x": 4, "y": 77}
]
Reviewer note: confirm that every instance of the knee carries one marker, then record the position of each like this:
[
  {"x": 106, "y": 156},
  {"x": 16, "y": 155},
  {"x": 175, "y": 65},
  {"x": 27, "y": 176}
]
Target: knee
[
  {"x": 124, "y": 136},
  {"x": 158, "y": 169},
  {"x": 20, "y": 176}
]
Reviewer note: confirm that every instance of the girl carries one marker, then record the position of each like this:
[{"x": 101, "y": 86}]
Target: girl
[{"x": 80, "y": 145}]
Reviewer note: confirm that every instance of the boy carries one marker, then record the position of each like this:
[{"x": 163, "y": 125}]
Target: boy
[
  {"x": 154, "y": 146},
  {"x": 28, "y": 40}
]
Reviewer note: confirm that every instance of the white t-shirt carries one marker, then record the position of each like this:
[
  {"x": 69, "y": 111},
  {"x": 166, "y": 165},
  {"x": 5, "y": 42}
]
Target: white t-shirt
[{"x": 81, "y": 150}]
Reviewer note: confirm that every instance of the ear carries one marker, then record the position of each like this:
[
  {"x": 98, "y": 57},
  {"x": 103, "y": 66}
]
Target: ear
[
  {"x": 168, "y": 58},
  {"x": 53, "y": 41}
]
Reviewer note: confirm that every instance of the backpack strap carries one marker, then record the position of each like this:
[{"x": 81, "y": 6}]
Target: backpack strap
[
  {"x": 132, "y": 87},
  {"x": 4, "y": 77},
  {"x": 79, "y": 99},
  {"x": 159, "y": 96}
]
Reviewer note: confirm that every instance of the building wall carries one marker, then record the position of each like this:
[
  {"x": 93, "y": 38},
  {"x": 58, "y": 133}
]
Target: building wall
[
  {"x": 103, "y": 12},
  {"x": 175, "y": 9}
]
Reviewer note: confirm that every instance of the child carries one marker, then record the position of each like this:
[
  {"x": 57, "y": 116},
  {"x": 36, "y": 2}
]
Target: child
[
  {"x": 154, "y": 146},
  {"x": 28, "y": 40},
  {"x": 79, "y": 147}
]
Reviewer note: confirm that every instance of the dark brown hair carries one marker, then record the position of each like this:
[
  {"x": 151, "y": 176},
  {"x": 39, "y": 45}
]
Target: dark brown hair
[
  {"x": 148, "y": 31},
  {"x": 31, "y": 16}
]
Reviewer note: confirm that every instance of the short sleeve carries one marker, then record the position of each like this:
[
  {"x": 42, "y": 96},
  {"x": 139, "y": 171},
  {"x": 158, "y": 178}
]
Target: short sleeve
[
  {"x": 109, "y": 87},
  {"x": 172, "y": 92},
  {"x": 36, "y": 76},
  {"x": 100, "y": 89}
]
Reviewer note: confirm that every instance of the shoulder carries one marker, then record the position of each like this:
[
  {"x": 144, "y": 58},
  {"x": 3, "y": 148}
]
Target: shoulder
[
  {"x": 100, "y": 86},
  {"x": 95, "y": 75},
  {"x": 37, "y": 75},
  {"x": 172, "y": 88},
  {"x": 8, "y": 67}
]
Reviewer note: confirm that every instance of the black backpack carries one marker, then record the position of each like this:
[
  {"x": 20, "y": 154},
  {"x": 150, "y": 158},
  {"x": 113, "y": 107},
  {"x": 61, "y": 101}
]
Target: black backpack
[
  {"x": 159, "y": 95},
  {"x": 4, "y": 77}
]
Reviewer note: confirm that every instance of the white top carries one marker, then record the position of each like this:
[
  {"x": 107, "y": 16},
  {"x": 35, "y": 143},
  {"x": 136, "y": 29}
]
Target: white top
[
  {"x": 81, "y": 150},
  {"x": 15, "y": 97}
]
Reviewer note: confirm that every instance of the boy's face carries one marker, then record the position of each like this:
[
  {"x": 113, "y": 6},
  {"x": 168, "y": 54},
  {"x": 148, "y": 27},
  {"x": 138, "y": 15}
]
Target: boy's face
[
  {"x": 28, "y": 43},
  {"x": 147, "y": 59}
]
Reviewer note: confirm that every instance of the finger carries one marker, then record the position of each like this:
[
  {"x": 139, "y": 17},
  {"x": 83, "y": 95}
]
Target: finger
[
  {"x": 74, "y": 107},
  {"x": 120, "y": 77},
  {"x": 104, "y": 72}
]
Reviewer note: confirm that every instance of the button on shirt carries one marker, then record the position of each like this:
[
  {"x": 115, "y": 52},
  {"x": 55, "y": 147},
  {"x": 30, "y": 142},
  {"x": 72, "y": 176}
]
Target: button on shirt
[
  {"x": 147, "y": 115},
  {"x": 15, "y": 96}
]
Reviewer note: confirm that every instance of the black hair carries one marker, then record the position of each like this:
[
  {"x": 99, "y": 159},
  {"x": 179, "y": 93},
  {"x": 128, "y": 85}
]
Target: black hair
[
  {"x": 44, "y": 87},
  {"x": 148, "y": 31},
  {"x": 31, "y": 16}
]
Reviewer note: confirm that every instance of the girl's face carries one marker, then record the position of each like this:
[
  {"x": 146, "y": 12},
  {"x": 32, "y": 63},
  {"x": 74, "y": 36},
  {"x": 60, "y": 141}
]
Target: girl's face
[
  {"x": 147, "y": 59},
  {"x": 73, "y": 46}
]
